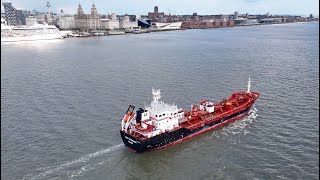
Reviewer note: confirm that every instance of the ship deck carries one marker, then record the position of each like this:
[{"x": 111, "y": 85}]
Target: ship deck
[{"x": 197, "y": 118}]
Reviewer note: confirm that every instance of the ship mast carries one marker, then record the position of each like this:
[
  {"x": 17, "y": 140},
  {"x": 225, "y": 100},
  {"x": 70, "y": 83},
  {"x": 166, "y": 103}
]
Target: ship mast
[
  {"x": 156, "y": 97},
  {"x": 249, "y": 85}
]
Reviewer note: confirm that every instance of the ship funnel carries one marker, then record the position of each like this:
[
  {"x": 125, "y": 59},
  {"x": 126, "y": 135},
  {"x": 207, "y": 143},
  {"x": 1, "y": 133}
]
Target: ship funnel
[{"x": 249, "y": 85}]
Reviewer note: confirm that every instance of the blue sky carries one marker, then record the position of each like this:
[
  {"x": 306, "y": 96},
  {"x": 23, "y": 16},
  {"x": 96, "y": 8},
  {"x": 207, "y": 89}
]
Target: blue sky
[{"x": 140, "y": 7}]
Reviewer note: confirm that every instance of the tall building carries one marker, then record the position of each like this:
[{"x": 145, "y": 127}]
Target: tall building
[
  {"x": 95, "y": 19},
  {"x": 86, "y": 22},
  {"x": 22, "y": 14},
  {"x": 155, "y": 16},
  {"x": 126, "y": 23},
  {"x": 14, "y": 17},
  {"x": 235, "y": 15},
  {"x": 81, "y": 19},
  {"x": 156, "y": 10}
]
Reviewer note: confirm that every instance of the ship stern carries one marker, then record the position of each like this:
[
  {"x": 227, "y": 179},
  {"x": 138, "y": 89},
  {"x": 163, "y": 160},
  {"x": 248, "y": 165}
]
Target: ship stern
[{"x": 132, "y": 142}]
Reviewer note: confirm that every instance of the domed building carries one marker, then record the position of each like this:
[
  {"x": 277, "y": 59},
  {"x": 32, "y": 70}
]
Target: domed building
[{"x": 87, "y": 22}]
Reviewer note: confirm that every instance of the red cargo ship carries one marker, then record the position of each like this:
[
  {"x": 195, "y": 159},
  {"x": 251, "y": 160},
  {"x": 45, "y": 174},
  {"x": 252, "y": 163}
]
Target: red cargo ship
[{"x": 160, "y": 124}]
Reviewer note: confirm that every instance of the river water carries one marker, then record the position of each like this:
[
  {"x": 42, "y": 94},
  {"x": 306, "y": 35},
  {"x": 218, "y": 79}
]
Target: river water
[{"x": 62, "y": 102}]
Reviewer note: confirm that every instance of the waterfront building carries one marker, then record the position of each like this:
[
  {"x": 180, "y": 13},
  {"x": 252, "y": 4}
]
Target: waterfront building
[
  {"x": 245, "y": 21},
  {"x": 66, "y": 22},
  {"x": 224, "y": 18},
  {"x": 34, "y": 12},
  {"x": 223, "y": 23},
  {"x": 3, "y": 15},
  {"x": 230, "y": 23},
  {"x": 277, "y": 20},
  {"x": 3, "y": 21},
  {"x": 162, "y": 19},
  {"x": 168, "y": 26},
  {"x": 113, "y": 16},
  {"x": 86, "y": 22},
  {"x": 125, "y": 23},
  {"x": 81, "y": 19},
  {"x": 14, "y": 17},
  {"x": 170, "y": 18},
  {"x": 95, "y": 19},
  {"x": 267, "y": 20},
  {"x": 144, "y": 23},
  {"x": 22, "y": 14},
  {"x": 40, "y": 18},
  {"x": 31, "y": 20},
  {"x": 196, "y": 24},
  {"x": 110, "y": 24},
  {"x": 155, "y": 15},
  {"x": 131, "y": 17},
  {"x": 104, "y": 23},
  {"x": 216, "y": 23}
]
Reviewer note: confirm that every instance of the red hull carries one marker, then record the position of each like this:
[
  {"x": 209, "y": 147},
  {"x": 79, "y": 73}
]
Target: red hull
[
  {"x": 241, "y": 116},
  {"x": 200, "y": 119}
]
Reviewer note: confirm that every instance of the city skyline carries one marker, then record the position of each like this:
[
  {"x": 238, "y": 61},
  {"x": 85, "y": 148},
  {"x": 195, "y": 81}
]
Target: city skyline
[{"x": 142, "y": 7}]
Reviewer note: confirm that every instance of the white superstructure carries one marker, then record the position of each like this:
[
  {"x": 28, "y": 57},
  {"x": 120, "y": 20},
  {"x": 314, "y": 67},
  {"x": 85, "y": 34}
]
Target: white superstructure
[
  {"x": 30, "y": 33},
  {"x": 165, "y": 116},
  {"x": 156, "y": 118}
]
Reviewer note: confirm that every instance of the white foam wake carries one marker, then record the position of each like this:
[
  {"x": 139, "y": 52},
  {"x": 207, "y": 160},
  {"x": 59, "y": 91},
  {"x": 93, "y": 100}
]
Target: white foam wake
[
  {"x": 239, "y": 127},
  {"x": 50, "y": 170}
]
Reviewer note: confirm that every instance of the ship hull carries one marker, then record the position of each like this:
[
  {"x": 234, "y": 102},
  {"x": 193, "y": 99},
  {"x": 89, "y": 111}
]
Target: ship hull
[
  {"x": 176, "y": 136},
  {"x": 33, "y": 38}
]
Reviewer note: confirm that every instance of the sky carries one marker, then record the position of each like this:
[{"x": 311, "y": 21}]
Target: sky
[{"x": 179, "y": 7}]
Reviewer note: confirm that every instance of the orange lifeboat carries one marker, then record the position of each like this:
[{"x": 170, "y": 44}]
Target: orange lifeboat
[{"x": 128, "y": 116}]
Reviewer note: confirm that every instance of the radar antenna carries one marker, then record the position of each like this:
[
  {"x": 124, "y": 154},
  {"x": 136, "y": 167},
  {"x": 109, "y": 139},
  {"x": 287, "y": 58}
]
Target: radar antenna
[{"x": 156, "y": 95}]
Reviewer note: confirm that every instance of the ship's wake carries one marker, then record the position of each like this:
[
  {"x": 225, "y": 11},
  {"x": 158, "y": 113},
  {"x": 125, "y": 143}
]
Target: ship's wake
[
  {"x": 241, "y": 127},
  {"x": 78, "y": 166}
]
